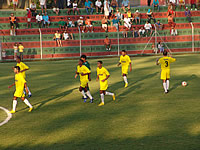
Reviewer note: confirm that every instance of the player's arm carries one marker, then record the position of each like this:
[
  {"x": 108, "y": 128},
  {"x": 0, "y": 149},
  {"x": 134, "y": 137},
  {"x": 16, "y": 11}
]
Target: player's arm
[
  {"x": 26, "y": 68},
  {"x": 130, "y": 67},
  {"x": 97, "y": 78},
  {"x": 25, "y": 85},
  {"x": 11, "y": 85},
  {"x": 89, "y": 76},
  {"x": 106, "y": 78},
  {"x": 119, "y": 64},
  {"x": 157, "y": 62},
  {"x": 76, "y": 75}
]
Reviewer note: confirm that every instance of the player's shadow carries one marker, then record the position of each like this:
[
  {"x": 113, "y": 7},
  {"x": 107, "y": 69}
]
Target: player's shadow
[{"x": 148, "y": 76}]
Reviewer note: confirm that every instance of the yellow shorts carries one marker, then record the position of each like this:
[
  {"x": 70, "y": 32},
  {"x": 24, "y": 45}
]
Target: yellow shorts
[
  {"x": 103, "y": 86},
  {"x": 165, "y": 74},
  {"x": 84, "y": 83},
  {"x": 19, "y": 94},
  {"x": 124, "y": 70}
]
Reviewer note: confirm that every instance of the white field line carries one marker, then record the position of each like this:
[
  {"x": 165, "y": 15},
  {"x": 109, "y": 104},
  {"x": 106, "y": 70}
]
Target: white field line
[{"x": 9, "y": 116}]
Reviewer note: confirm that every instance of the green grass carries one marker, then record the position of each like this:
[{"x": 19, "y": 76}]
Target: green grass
[{"x": 141, "y": 118}]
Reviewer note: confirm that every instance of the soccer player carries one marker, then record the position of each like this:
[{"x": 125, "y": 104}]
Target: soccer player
[
  {"x": 23, "y": 68},
  {"x": 126, "y": 62},
  {"x": 102, "y": 76},
  {"x": 20, "y": 83},
  {"x": 165, "y": 62},
  {"x": 84, "y": 74}
]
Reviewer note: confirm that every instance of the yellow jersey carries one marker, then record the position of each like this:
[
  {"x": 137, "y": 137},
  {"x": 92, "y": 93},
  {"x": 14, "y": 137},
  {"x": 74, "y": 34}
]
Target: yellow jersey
[
  {"x": 19, "y": 83},
  {"x": 57, "y": 35},
  {"x": 21, "y": 48},
  {"x": 129, "y": 14},
  {"x": 125, "y": 60},
  {"x": 22, "y": 67},
  {"x": 83, "y": 69},
  {"x": 165, "y": 62},
  {"x": 102, "y": 73}
]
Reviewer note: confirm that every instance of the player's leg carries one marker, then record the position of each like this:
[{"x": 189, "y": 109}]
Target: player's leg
[
  {"x": 89, "y": 94},
  {"x": 111, "y": 94},
  {"x": 14, "y": 105},
  {"x": 102, "y": 93},
  {"x": 165, "y": 86},
  {"x": 164, "y": 77},
  {"x": 27, "y": 103}
]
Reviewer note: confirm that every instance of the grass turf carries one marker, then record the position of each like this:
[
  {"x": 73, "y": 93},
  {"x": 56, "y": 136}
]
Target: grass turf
[{"x": 141, "y": 118}]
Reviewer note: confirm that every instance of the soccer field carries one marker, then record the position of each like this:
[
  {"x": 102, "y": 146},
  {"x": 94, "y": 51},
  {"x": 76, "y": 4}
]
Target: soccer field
[{"x": 141, "y": 118}]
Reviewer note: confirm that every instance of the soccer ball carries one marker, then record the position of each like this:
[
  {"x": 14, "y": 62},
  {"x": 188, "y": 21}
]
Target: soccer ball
[{"x": 184, "y": 83}]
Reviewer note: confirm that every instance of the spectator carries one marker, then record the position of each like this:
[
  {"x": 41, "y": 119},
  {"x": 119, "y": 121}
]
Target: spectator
[
  {"x": 173, "y": 31},
  {"x": 159, "y": 26},
  {"x": 156, "y": 4},
  {"x": 141, "y": 32},
  {"x": 129, "y": 14},
  {"x": 127, "y": 22},
  {"x": 69, "y": 24},
  {"x": 150, "y": 16},
  {"x": 75, "y": 7},
  {"x": 43, "y": 5},
  {"x": 88, "y": 5},
  {"x": 193, "y": 3},
  {"x": 113, "y": 6},
  {"x": 81, "y": 23},
  {"x": 160, "y": 47},
  {"x": 149, "y": 2},
  {"x": 148, "y": 28},
  {"x": 170, "y": 21},
  {"x": 99, "y": 6},
  {"x": 173, "y": 4},
  {"x": 15, "y": 47},
  {"x": 89, "y": 25},
  {"x": 137, "y": 16},
  {"x": 13, "y": 24},
  {"x": 15, "y": 3},
  {"x": 154, "y": 48},
  {"x": 46, "y": 20},
  {"x": 55, "y": 7},
  {"x": 188, "y": 14},
  {"x": 125, "y": 32},
  {"x": 67, "y": 36},
  {"x": 171, "y": 12},
  {"x": 104, "y": 23},
  {"x": 107, "y": 43},
  {"x": 181, "y": 3},
  {"x": 118, "y": 15},
  {"x": 57, "y": 37},
  {"x": 39, "y": 20},
  {"x": 61, "y": 24},
  {"x": 115, "y": 22},
  {"x": 69, "y": 6},
  {"x": 60, "y": 4},
  {"x": 135, "y": 32},
  {"x": 21, "y": 50},
  {"x": 125, "y": 4},
  {"x": 33, "y": 8},
  {"x": 3, "y": 54},
  {"x": 106, "y": 9},
  {"x": 29, "y": 16}
]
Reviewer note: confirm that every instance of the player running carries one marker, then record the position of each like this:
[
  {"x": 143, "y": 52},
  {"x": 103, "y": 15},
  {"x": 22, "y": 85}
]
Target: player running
[
  {"x": 165, "y": 62},
  {"x": 84, "y": 74},
  {"x": 23, "y": 68},
  {"x": 126, "y": 62},
  {"x": 20, "y": 84},
  {"x": 102, "y": 76}
]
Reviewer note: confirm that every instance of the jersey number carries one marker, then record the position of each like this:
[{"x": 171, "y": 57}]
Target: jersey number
[{"x": 166, "y": 64}]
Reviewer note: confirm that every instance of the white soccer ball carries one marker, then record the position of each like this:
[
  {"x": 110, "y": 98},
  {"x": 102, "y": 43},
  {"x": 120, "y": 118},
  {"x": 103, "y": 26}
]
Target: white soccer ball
[{"x": 184, "y": 83}]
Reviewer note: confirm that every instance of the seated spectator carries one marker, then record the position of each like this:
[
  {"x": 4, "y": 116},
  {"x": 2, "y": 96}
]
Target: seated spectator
[
  {"x": 89, "y": 25},
  {"x": 106, "y": 9},
  {"x": 159, "y": 26},
  {"x": 21, "y": 50},
  {"x": 15, "y": 47},
  {"x": 13, "y": 24},
  {"x": 75, "y": 7},
  {"x": 61, "y": 23},
  {"x": 125, "y": 4},
  {"x": 29, "y": 16},
  {"x": 104, "y": 23},
  {"x": 135, "y": 32},
  {"x": 107, "y": 43},
  {"x": 88, "y": 6},
  {"x": 150, "y": 16},
  {"x": 55, "y": 7},
  {"x": 182, "y": 3},
  {"x": 43, "y": 5},
  {"x": 69, "y": 6},
  {"x": 39, "y": 20},
  {"x": 188, "y": 14},
  {"x": 70, "y": 23},
  {"x": 60, "y": 4},
  {"x": 171, "y": 12},
  {"x": 160, "y": 47},
  {"x": 173, "y": 4},
  {"x": 99, "y": 6},
  {"x": 81, "y": 23},
  {"x": 115, "y": 23},
  {"x": 46, "y": 20},
  {"x": 33, "y": 9},
  {"x": 127, "y": 22},
  {"x": 148, "y": 28},
  {"x": 57, "y": 38},
  {"x": 15, "y": 3},
  {"x": 171, "y": 21},
  {"x": 141, "y": 32},
  {"x": 129, "y": 14},
  {"x": 125, "y": 32},
  {"x": 156, "y": 4},
  {"x": 113, "y": 6},
  {"x": 118, "y": 15},
  {"x": 67, "y": 36},
  {"x": 193, "y": 3},
  {"x": 173, "y": 31},
  {"x": 137, "y": 16}
]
